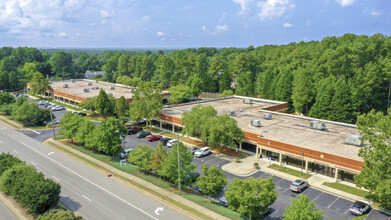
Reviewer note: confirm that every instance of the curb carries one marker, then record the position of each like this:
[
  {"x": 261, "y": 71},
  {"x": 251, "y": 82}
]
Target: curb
[{"x": 13, "y": 209}]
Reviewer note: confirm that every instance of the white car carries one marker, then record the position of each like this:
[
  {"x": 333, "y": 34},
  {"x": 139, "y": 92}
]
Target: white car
[
  {"x": 58, "y": 108},
  {"x": 42, "y": 102},
  {"x": 202, "y": 152},
  {"x": 171, "y": 142}
]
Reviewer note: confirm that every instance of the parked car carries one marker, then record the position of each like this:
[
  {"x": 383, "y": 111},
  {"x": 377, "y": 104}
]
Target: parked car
[
  {"x": 134, "y": 130},
  {"x": 194, "y": 149},
  {"x": 154, "y": 137},
  {"x": 172, "y": 142},
  {"x": 143, "y": 134},
  {"x": 359, "y": 207},
  {"x": 79, "y": 113},
  {"x": 298, "y": 185},
  {"x": 58, "y": 108},
  {"x": 223, "y": 201},
  {"x": 54, "y": 122},
  {"x": 202, "y": 152},
  {"x": 165, "y": 141},
  {"x": 125, "y": 153},
  {"x": 42, "y": 102}
]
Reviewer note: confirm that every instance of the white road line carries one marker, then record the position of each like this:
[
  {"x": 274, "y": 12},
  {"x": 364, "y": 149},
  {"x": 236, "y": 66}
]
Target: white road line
[
  {"x": 35, "y": 131},
  {"x": 33, "y": 163},
  {"x": 347, "y": 211},
  {"x": 56, "y": 178},
  {"x": 333, "y": 202},
  {"x": 273, "y": 212},
  {"x": 15, "y": 151},
  {"x": 1, "y": 142},
  {"x": 86, "y": 198},
  {"x": 279, "y": 181},
  {"x": 107, "y": 191},
  {"x": 318, "y": 196},
  {"x": 369, "y": 213}
]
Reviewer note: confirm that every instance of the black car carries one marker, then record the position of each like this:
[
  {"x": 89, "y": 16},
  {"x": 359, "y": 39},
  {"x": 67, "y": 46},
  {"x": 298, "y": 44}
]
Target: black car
[
  {"x": 143, "y": 134},
  {"x": 165, "y": 141},
  {"x": 192, "y": 177}
]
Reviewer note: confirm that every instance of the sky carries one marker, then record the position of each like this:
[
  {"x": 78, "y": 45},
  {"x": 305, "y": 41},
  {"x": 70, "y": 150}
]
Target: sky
[{"x": 185, "y": 23}]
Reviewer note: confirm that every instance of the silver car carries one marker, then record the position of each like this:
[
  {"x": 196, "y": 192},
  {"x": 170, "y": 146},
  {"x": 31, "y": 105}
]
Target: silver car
[
  {"x": 359, "y": 207},
  {"x": 298, "y": 185}
]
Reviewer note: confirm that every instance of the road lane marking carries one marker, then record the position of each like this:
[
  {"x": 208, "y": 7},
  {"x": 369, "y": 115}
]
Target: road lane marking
[
  {"x": 15, "y": 151},
  {"x": 86, "y": 198},
  {"x": 96, "y": 185},
  {"x": 158, "y": 209},
  {"x": 279, "y": 181},
  {"x": 56, "y": 178},
  {"x": 50, "y": 153},
  {"x": 1, "y": 142},
  {"x": 273, "y": 212},
  {"x": 333, "y": 202},
  {"x": 318, "y": 196},
  {"x": 369, "y": 213},
  {"x": 33, "y": 163},
  {"x": 35, "y": 131},
  {"x": 347, "y": 211}
]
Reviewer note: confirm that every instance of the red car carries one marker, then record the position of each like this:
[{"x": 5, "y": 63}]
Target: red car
[{"x": 154, "y": 137}]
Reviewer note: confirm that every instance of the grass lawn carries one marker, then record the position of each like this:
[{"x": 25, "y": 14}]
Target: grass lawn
[
  {"x": 290, "y": 171},
  {"x": 214, "y": 206},
  {"x": 348, "y": 189},
  {"x": 68, "y": 106},
  {"x": 38, "y": 127},
  {"x": 134, "y": 170}
]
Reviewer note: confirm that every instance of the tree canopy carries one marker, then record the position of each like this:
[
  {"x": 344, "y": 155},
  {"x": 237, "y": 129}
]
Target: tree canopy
[
  {"x": 213, "y": 180},
  {"x": 302, "y": 208}
]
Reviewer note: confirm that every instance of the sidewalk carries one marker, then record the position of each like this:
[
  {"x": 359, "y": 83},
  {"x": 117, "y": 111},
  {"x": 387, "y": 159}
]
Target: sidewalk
[{"x": 156, "y": 190}]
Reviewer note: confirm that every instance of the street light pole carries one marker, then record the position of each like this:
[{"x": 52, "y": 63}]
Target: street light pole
[
  {"x": 123, "y": 144},
  {"x": 302, "y": 164},
  {"x": 179, "y": 170}
]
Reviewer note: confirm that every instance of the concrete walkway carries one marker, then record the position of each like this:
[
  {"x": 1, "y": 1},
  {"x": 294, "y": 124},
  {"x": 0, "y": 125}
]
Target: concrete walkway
[{"x": 163, "y": 193}]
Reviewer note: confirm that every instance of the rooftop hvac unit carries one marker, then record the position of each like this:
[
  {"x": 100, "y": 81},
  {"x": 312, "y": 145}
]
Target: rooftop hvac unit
[
  {"x": 255, "y": 123},
  {"x": 109, "y": 93},
  {"x": 318, "y": 125},
  {"x": 65, "y": 86},
  {"x": 268, "y": 116},
  {"x": 89, "y": 84},
  {"x": 112, "y": 88},
  {"x": 86, "y": 90},
  {"x": 232, "y": 113},
  {"x": 72, "y": 80},
  {"x": 248, "y": 101},
  {"x": 353, "y": 139}
]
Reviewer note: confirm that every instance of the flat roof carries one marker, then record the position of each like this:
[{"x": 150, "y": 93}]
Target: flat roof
[
  {"x": 285, "y": 128},
  {"x": 76, "y": 87}
]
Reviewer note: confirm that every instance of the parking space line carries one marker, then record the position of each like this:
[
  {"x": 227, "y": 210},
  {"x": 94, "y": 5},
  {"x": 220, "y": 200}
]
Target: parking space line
[
  {"x": 33, "y": 163},
  {"x": 318, "y": 196},
  {"x": 273, "y": 212},
  {"x": 347, "y": 211},
  {"x": 279, "y": 180},
  {"x": 333, "y": 202},
  {"x": 369, "y": 213}
]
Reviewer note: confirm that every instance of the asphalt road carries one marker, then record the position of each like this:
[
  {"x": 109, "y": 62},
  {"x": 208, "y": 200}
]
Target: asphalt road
[
  {"x": 84, "y": 190},
  {"x": 6, "y": 213}
]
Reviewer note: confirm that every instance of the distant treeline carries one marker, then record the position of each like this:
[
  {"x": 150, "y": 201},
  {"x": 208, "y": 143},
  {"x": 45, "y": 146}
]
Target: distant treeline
[{"x": 336, "y": 78}]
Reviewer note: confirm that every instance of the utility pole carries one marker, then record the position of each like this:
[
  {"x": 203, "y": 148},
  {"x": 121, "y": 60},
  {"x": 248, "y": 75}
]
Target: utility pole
[
  {"x": 179, "y": 170},
  {"x": 51, "y": 118}
]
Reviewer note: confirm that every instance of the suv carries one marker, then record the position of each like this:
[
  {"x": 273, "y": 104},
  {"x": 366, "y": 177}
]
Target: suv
[
  {"x": 202, "y": 152},
  {"x": 298, "y": 185},
  {"x": 359, "y": 207},
  {"x": 143, "y": 134},
  {"x": 172, "y": 142},
  {"x": 134, "y": 130}
]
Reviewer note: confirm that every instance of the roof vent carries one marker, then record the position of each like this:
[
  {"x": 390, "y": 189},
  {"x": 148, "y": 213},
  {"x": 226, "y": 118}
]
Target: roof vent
[
  {"x": 353, "y": 139},
  {"x": 112, "y": 88},
  {"x": 255, "y": 123},
  {"x": 89, "y": 84},
  {"x": 232, "y": 113},
  {"x": 109, "y": 93},
  {"x": 268, "y": 116},
  {"x": 95, "y": 88},
  {"x": 65, "y": 86},
  {"x": 86, "y": 90},
  {"x": 248, "y": 101},
  {"x": 318, "y": 125},
  {"x": 72, "y": 80}
]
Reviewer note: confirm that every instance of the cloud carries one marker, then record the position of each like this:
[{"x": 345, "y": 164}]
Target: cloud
[
  {"x": 204, "y": 28},
  {"x": 308, "y": 22},
  {"x": 104, "y": 14},
  {"x": 219, "y": 29},
  {"x": 376, "y": 13},
  {"x": 244, "y": 5},
  {"x": 223, "y": 16},
  {"x": 270, "y": 9},
  {"x": 159, "y": 33},
  {"x": 287, "y": 25},
  {"x": 344, "y": 3},
  {"x": 185, "y": 8},
  {"x": 62, "y": 34}
]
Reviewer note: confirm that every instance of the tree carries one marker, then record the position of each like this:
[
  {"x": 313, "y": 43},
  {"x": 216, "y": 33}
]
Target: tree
[
  {"x": 302, "y": 208},
  {"x": 4, "y": 80},
  {"x": 375, "y": 130},
  {"x": 224, "y": 130},
  {"x": 7, "y": 161},
  {"x": 103, "y": 104},
  {"x": 141, "y": 156},
  {"x": 197, "y": 117},
  {"x": 301, "y": 93},
  {"x": 225, "y": 93},
  {"x": 85, "y": 128},
  {"x": 29, "y": 114},
  {"x": 62, "y": 64},
  {"x": 39, "y": 84},
  {"x": 195, "y": 85},
  {"x": 59, "y": 214},
  {"x": 110, "y": 135},
  {"x": 179, "y": 93},
  {"x": 213, "y": 180},
  {"x": 147, "y": 102},
  {"x": 251, "y": 197},
  {"x": 89, "y": 104},
  {"x": 13, "y": 81},
  {"x": 6, "y": 98},
  {"x": 70, "y": 124},
  {"x": 159, "y": 154},
  {"x": 169, "y": 168},
  {"x": 245, "y": 85},
  {"x": 121, "y": 106}
]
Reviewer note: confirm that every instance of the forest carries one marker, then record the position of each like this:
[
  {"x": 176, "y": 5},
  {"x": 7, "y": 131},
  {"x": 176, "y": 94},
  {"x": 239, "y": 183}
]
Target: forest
[{"x": 337, "y": 78}]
